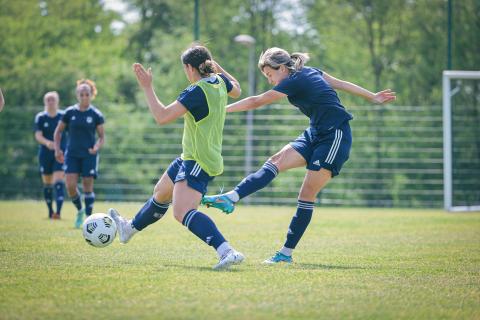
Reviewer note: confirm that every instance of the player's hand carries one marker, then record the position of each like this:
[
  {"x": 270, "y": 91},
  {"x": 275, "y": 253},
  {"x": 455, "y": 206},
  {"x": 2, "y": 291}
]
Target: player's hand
[
  {"x": 384, "y": 96},
  {"x": 50, "y": 145},
  {"x": 59, "y": 156},
  {"x": 144, "y": 77},
  {"x": 93, "y": 150}
]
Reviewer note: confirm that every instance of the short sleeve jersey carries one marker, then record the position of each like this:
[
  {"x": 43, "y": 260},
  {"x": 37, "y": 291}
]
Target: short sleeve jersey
[
  {"x": 193, "y": 98},
  {"x": 81, "y": 127},
  {"x": 310, "y": 92},
  {"x": 47, "y": 125}
]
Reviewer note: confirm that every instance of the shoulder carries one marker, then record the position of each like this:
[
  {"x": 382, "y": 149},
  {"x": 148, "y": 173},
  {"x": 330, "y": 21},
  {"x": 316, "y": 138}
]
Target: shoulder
[
  {"x": 96, "y": 111},
  {"x": 191, "y": 90},
  {"x": 70, "y": 109},
  {"x": 39, "y": 116},
  {"x": 61, "y": 112}
]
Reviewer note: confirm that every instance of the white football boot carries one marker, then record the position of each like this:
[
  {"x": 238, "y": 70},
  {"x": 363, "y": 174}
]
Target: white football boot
[
  {"x": 124, "y": 227},
  {"x": 230, "y": 258}
]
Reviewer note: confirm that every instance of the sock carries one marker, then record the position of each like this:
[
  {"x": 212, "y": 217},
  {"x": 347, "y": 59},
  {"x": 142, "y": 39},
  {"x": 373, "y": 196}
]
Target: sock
[
  {"x": 233, "y": 195},
  {"x": 77, "y": 201},
  {"x": 286, "y": 251},
  {"x": 48, "y": 195},
  {"x": 204, "y": 228},
  {"x": 223, "y": 249},
  {"x": 89, "y": 200},
  {"x": 299, "y": 224},
  {"x": 60, "y": 194},
  {"x": 258, "y": 180},
  {"x": 151, "y": 212}
]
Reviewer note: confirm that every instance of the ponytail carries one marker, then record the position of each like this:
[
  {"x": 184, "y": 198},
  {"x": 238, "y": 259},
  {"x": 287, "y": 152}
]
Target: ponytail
[{"x": 299, "y": 59}]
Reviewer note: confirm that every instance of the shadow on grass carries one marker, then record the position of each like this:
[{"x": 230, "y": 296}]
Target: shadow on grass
[
  {"x": 197, "y": 268},
  {"x": 315, "y": 266}
]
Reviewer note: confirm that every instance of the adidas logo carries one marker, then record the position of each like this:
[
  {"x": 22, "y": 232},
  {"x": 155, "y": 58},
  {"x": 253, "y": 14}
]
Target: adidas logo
[
  {"x": 209, "y": 238},
  {"x": 316, "y": 162},
  {"x": 290, "y": 231}
]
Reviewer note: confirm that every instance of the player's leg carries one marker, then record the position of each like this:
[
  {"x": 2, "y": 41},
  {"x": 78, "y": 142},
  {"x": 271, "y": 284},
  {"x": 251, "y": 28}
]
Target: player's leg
[
  {"x": 285, "y": 159},
  {"x": 89, "y": 167},
  {"x": 153, "y": 209},
  {"x": 59, "y": 186},
  {"x": 45, "y": 160},
  {"x": 190, "y": 184},
  {"x": 88, "y": 194},
  {"x": 47, "y": 180},
  {"x": 328, "y": 156},
  {"x": 313, "y": 182}
]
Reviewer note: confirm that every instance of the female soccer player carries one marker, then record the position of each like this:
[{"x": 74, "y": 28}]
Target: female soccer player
[
  {"x": 202, "y": 105},
  {"x": 323, "y": 147},
  {"x": 50, "y": 169},
  {"x": 81, "y": 120}
]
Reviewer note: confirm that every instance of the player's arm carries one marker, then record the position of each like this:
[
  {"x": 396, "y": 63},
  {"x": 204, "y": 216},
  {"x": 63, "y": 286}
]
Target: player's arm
[
  {"x": 380, "y": 97},
  {"x": 43, "y": 141},
  {"x": 236, "y": 90},
  {"x": 57, "y": 137},
  {"x": 161, "y": 113},
  {"x": 2, "y": 100},
  {"x": 100, "y": 141},
  {"x": 255, "y": 102}
]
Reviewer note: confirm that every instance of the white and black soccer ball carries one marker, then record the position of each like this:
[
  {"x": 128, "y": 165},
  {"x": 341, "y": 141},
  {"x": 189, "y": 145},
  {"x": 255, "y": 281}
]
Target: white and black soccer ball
[{"x": 99, "y": 230}]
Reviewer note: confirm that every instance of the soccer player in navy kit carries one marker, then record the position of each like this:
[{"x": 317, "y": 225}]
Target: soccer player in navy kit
[
  {"x": 323, "y": 148},
  {"x": 50, "y": 169},
  {"x": 82, "y": 121},
  {"x": 202, "y": 105}
]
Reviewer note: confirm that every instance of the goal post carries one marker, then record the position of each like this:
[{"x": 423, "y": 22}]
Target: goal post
[{"x": 457, "y": 199}]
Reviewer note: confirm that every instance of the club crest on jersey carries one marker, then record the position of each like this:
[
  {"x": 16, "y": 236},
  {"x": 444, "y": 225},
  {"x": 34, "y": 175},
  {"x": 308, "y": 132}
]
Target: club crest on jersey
[
  {"x": 45, "y": 124},
  {"x": 73, "y": 118},
  {"x": 89, "y": 119}
]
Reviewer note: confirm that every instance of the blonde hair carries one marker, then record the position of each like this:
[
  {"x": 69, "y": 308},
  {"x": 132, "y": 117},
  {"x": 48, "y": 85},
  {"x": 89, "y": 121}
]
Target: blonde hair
[
  {"x": 91, "y": 84},
  {"x": 276, "y": 57},
  {"x": 51, "y": 94}
]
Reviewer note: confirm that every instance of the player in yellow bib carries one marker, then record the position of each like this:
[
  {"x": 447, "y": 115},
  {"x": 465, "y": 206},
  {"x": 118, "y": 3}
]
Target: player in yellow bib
[{"x": 203, "y": 106}]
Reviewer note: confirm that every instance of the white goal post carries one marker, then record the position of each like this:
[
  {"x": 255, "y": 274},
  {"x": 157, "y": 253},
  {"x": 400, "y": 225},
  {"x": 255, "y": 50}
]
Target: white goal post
[{"x": 448, "y": 94}]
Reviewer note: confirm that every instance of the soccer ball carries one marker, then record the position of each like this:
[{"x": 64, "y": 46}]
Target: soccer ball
[{"x": 99, "y": 230}]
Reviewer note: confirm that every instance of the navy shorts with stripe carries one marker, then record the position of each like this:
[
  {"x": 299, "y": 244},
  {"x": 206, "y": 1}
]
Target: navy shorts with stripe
[
  {"x": 84, "y": 166},
  {"x": 191, "y": 171},
  {"x": 329, "y": 151},
  {"x": 47, "y": 162}
]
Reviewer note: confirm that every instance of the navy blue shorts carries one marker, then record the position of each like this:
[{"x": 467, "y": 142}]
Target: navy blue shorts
[
  {"x": 84, "y": 166},
  {"x": 329, "y": 151},
  {"x": 191, "y": 171},
  {"x": 47, "y": 163}
]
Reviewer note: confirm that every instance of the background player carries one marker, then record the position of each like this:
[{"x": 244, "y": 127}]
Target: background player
[
  {"x": 323, "y": 147},
  {"x": 82, "y": 121},
  {"x": 203, "y": 107},
  {"x": 50, "y": 169}
]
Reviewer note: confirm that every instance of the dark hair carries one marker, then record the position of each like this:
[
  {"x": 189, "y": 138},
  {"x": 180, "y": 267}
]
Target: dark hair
[
  {"x": 200, "y": 58},
  {"x": 91, "y": 84}
]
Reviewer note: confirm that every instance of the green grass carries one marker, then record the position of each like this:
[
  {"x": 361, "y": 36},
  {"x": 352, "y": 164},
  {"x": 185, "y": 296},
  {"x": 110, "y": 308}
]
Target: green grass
[{"x": 351, "y": 264}]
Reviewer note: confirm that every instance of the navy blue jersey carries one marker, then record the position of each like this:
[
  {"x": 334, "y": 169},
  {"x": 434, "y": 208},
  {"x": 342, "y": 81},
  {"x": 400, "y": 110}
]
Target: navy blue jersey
[
  {"x": 47, "y": 125},
  {"x": 193, "y": 98},
  {"x": 81, "y": 127},
  {"x": 310, "y": 92}
]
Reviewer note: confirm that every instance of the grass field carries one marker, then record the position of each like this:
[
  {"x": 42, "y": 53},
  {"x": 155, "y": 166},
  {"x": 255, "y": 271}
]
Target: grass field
[{"x": 351, "y": 264}]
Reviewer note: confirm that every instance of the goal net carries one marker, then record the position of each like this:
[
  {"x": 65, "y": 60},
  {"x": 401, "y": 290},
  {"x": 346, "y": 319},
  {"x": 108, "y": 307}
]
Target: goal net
[{"x": 461, "y": 140}]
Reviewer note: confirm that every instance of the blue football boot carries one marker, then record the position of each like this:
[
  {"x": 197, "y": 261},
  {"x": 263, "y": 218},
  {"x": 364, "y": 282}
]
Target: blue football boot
[
  {"x": 219, "y": 201},
  {"x": 79, "y": 218},
  {"x": 278, "y": 257}
]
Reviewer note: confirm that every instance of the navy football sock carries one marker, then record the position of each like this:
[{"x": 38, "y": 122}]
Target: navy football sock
[
  {"x": 203, "y": 227},
  {"x": 89, "y": 200},
  {"x": 48, "y": 195},
  {"x": 299, "y": 223},
  {"x": 151, "y": 212},
  {"x": 60, "y": 194},
  {"x": 257, "y": 180}
]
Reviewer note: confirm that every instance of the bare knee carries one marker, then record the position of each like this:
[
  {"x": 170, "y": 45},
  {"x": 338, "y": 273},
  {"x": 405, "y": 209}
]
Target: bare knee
[{"x": 179, "y": 213}]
